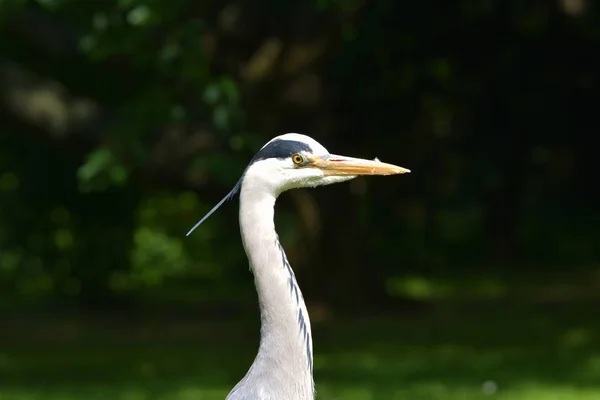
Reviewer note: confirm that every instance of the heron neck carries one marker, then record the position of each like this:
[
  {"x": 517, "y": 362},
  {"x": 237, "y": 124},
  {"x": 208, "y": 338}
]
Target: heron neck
[{"x": 286, "y": 342}]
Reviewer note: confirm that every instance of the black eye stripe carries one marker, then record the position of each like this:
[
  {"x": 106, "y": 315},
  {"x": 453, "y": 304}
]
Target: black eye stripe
[{"x": 281, "y": 149}]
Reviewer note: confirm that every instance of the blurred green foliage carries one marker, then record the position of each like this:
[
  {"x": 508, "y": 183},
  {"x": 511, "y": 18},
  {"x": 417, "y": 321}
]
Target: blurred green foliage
[
  {"x": 124, "y": 121},
  {"x": 470, "y": 354}
]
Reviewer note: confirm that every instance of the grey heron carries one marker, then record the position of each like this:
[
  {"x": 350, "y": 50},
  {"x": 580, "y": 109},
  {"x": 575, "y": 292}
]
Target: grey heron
[{"x": 283, "y": 367}]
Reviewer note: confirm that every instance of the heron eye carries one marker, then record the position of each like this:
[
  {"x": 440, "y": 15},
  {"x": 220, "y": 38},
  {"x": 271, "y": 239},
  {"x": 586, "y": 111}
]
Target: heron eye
[{"x": 297, "y": 159}]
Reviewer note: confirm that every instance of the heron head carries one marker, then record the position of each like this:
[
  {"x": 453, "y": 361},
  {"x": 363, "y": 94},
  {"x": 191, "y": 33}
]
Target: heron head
[{"x": 293, "y": 161}]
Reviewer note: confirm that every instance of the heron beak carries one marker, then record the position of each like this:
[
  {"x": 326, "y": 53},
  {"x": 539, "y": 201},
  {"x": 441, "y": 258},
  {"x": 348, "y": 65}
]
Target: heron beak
[{"x": 334, "y": 165}]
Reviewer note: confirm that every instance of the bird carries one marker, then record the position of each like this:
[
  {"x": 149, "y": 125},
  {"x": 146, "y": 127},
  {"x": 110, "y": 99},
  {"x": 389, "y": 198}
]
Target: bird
[{"x": 283, "y": 366}]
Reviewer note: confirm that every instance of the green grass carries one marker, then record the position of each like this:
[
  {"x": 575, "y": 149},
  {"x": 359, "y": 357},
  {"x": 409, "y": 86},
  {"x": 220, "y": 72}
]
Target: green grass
[{"x": 491, "y": 351}]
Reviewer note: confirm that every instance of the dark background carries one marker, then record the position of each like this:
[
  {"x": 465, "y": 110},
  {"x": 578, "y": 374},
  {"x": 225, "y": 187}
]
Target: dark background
[{"x": 122, "y": 122}]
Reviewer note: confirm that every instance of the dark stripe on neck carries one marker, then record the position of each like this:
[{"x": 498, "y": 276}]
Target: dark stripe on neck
[{"x": 295, "y": 292}]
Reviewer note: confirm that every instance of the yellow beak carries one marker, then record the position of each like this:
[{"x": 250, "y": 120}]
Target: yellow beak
[{"x": 334, "y": 165}]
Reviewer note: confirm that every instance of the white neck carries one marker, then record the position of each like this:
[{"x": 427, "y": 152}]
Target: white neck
[{"x": 283, "y": 366}]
